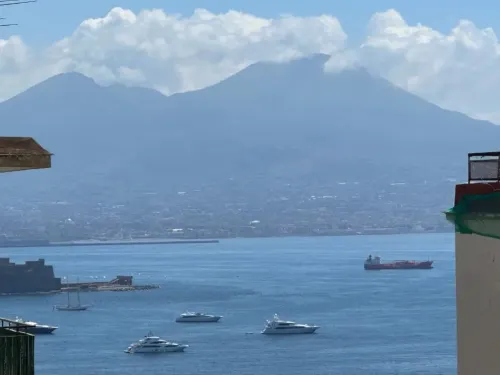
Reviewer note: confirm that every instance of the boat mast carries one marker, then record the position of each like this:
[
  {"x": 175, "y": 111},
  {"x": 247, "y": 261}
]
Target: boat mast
[
  {"x": 78, "y": 292},
  {"x": 67, "y": 289}
]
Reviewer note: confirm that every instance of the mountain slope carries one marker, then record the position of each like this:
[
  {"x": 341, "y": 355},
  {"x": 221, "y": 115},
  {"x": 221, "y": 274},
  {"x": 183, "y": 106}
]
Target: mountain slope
[{"x": 277, "y": 121}]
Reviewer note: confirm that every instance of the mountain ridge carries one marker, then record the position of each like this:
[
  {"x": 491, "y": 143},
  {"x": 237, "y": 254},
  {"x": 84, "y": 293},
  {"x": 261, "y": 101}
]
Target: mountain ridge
[{"x": 284, "y": 121}]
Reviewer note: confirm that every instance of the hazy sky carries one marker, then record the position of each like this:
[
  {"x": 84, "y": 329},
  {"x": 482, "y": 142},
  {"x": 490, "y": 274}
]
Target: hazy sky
[{"x": 444, "y": 51}]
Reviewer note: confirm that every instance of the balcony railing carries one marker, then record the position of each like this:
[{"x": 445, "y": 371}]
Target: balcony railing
[{"x": 17, "y": 349}]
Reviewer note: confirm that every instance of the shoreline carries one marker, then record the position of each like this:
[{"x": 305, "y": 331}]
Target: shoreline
[
  {"x": 159, "y": 241},
  {"x": 107, "y": 243},
  {"x": 129, "y": 243}
]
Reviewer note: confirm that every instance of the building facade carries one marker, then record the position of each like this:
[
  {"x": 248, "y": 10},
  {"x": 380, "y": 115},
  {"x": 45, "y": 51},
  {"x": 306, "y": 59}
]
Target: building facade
[{"x": 476, "y": 215}]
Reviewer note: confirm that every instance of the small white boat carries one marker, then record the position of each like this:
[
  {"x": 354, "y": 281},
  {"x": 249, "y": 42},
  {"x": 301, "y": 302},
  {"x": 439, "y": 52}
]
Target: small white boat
[
  {"x": 153, "y": 344},
  {"x": 196, "y": 317},
  {"x": 34, "y": 327},
  {"x": 280, "y": 327}
]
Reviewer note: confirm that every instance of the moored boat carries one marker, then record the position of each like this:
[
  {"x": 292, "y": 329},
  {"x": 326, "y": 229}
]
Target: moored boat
[
  {"x": 71, "y": 307},
  {"x": 374, "y": 264},
  {"x": 196, "y": 317},
  {"x": 153, "y": 344},
  {"x": 278, "y": 326},
  {"x": 35, "y": 328}
]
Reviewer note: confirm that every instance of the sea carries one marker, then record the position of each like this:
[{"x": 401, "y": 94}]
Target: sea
[{"x": 372, "y": 323}]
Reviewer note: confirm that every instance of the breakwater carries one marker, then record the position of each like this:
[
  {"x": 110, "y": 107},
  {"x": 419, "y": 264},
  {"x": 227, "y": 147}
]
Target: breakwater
[
  {"x": 24, "y": 244},
  {"x": 99, "y": 288},
  {"x": 118, "y": 284}
]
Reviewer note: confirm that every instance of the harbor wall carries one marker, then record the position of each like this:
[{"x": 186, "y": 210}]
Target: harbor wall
[
  {"x": 85, "y": 243},
  {"x": 118, "y": 280},
  {"x": 30, "y": 277}
]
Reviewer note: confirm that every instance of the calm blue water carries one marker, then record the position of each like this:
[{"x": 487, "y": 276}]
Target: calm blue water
[{"x": 371, "y": 322}]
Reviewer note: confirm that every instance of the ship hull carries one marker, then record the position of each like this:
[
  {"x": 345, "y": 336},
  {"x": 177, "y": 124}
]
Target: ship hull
[
  {"x": 71, "y": 308},
  {"x": 198, "y": 319},
  {"x": 165, "y": 349},
  {"x": 40, "y": 330},
  {"x": 290, "y": 331},
  {"x": 427, "y": 265}
]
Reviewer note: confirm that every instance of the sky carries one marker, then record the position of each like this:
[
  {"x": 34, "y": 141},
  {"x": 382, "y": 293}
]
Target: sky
[
  {"x": 49, "y": 20},
  {"x": 445, "y": 52}
]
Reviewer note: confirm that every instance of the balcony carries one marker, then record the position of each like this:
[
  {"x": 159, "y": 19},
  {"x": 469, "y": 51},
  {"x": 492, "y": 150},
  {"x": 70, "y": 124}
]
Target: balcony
[{"x": 17, "y": 349}]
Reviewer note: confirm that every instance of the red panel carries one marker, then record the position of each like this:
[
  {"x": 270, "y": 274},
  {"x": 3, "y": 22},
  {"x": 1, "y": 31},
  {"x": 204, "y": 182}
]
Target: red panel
[{"x": 475, "y": 189}]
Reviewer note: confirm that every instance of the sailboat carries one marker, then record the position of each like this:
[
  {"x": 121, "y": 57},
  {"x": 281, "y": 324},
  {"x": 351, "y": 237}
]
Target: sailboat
[{"x": 69, "y": 306}]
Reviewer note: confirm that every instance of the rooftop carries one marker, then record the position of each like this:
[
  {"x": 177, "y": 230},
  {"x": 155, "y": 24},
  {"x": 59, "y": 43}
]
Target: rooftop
[{"x": 22, "y": 153}]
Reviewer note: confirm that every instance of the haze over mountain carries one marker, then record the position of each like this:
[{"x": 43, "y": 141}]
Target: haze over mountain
[{"x": 286, "y": 122}]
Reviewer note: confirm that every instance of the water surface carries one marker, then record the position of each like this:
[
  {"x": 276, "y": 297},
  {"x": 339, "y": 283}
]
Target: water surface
[{"x": 372, "y": 323}]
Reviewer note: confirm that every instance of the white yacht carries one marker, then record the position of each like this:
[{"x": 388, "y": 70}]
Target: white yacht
[
  {"x": 196, "y": 317},
  {"x": 34, "y": 327},
  {"x": 153, "y": 344},
  {"x": 278, "y": 326}
]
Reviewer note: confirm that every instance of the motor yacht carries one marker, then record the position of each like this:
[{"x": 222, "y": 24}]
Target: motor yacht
[
  {"x": 278, "y": 326},
  {"x": 34, "y": 328},
  {"x": 196, "y": 317},
  {"x": 153, "y": 344}
]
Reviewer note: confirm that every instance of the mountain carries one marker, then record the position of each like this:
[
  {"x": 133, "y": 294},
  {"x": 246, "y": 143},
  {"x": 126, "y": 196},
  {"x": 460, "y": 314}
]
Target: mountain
[{"x": 270, "y": 122}]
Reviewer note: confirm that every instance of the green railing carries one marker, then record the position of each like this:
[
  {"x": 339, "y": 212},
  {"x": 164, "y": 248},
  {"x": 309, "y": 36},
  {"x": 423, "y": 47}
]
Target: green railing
[{"x": 17, "y": 349}]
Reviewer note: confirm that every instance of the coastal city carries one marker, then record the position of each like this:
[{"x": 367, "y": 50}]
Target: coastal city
[
  {"x": 212, "y": 177},
  {"x": 234, "y": 210}
]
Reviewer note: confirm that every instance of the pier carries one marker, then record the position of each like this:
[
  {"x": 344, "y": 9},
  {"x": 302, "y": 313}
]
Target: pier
[
  {"x": 111, "y": 288},
  {"x": 118, "y": 284}
]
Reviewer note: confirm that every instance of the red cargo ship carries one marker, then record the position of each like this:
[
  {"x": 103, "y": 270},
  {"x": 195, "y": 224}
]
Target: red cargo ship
[{"x": 374, "y": 264}]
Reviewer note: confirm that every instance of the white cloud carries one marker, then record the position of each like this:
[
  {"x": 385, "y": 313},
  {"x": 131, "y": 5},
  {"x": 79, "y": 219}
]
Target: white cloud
[
  {"x": 168, "y": 52},
  {"x": 458, "y": 71},
  {"x": 171, "y": 53}
]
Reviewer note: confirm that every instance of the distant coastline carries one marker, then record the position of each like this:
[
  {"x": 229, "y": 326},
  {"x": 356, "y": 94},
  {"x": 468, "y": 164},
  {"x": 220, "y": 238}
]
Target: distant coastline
[
  {"x": 28, "y": 243},
  {"x": 131, "y": 242},
  {"x": 159, "y": 241}
]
